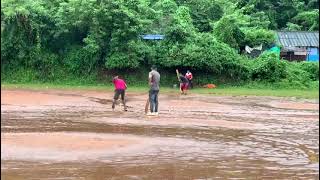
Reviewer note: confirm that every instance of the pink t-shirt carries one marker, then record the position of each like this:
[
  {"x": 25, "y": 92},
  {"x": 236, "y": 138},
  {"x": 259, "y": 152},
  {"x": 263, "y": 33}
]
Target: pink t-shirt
[{"x": 119, "y": 84}]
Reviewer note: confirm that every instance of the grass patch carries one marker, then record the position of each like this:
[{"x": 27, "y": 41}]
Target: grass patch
[
  {"x": 220, "y": 91},
  {"x": 239, "y": 91}
]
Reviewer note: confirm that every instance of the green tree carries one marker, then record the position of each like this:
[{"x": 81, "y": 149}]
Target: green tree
[
  {"x": 163, "y": 11},
  {"x": 26, "y": 25},
  {"x": 181, "y": 27},
  {"x": 308, "y": 20},
  {"x": 256, "y": 36},
  {"x": 203, "y": 12},
  {"x": 227, "y": 31}
]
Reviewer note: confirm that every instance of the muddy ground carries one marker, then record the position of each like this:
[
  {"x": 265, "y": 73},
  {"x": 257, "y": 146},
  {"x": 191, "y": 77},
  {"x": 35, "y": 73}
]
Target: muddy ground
[{"x": 64, "y": 134}]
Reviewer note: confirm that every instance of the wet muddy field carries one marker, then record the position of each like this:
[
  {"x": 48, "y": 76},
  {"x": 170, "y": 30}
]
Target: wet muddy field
[{"x": 64, "y": 134}]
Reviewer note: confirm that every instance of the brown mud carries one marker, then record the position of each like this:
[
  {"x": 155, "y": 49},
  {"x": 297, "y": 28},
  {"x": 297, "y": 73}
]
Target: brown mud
[{"x": 64, "y": 134}]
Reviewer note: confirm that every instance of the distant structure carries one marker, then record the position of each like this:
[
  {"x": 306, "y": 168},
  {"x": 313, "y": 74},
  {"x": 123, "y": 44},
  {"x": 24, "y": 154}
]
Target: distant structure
[
  {"x": 299, "y": 45},
  {"x": 152, "y": 37}
]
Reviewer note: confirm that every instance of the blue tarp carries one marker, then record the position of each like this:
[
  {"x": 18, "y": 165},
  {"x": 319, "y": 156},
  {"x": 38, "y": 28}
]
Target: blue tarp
[
  {"x": 152, "y": 36},
  {"x": 313, "y": 54}
]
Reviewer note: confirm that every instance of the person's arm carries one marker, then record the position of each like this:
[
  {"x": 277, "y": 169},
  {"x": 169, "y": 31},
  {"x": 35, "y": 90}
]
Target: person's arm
[
  {"x": 191, "y": 76},
  {"x": 150, "y": 79},
  {"x": 125, "y": 84}
]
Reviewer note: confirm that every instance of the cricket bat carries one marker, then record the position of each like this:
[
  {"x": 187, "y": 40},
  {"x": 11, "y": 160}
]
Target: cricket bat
[
  {"x": 177, "y": 74},
  {"x": 178, "y": 78},
  {"x": 146, "y": 108}
]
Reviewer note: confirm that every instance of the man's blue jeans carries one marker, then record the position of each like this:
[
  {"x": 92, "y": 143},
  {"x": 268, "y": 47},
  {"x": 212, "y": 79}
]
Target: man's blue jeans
[{"x": 153, "y": 98}]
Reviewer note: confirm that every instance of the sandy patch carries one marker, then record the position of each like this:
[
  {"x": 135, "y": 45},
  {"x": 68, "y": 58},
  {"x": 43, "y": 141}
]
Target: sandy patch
[
  {"x": 64, "y": 141},
  {"x": 295, "y": 105},
  {"x": 28, "y": 98},
  {"x": 64, "y": 146}
]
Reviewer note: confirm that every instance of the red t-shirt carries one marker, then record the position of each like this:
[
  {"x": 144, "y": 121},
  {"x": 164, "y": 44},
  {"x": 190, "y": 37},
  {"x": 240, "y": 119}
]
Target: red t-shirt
[{"x": 119, "y": 84}]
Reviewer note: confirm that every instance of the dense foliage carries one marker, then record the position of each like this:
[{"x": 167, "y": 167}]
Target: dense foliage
[{"x": 83, "y": 39}]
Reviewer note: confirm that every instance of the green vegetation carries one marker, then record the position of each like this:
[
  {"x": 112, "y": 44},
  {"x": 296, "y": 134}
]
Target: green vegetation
[{"x": 87, "y": 41}]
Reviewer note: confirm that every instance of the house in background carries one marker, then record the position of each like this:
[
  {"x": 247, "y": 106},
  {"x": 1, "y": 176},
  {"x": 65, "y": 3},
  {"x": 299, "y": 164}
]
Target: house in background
[{"x": 299, "y": 45}]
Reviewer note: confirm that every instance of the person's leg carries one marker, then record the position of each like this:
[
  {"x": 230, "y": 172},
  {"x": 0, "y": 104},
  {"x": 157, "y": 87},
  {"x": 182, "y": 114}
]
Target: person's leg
[
  {"x": 156, "y": 101},
  {"x": 123, "y": 99},
  {"x": 113, "y": 104},
  {"x": 115, "y": 98},
  {"x": 186, "y": 88},
  {"x": 191, "y": 85},
  {"x": 183, "y": 87},
  {"x": 151, "y": 100}
]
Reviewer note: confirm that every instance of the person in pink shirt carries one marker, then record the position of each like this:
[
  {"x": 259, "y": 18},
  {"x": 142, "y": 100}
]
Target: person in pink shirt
[{"x": 120, "y": 88}]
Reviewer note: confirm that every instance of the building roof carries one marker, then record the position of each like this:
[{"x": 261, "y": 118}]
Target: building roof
[
  {"x": 298, "y": 38},
  {"x": 152, "y": 36}
]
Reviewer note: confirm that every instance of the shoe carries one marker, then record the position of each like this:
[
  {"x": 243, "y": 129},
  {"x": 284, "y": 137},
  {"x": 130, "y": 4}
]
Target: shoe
[
  {"x": 156, "y": 114},
  {"x": 149, "y": 114}
]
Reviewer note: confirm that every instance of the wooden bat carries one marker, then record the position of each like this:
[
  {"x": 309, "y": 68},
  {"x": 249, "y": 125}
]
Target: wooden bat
[
  {"x": 178, "y": 78},
  {"x": 177, "y": 74},
  {"x": 146, "y": 108}
]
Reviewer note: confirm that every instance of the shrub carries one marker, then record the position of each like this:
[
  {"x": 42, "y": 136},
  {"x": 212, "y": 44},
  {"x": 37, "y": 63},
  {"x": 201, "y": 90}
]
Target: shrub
[
  {"x": 254, "y": 37},
  {"x": 45, "y": 63},
  {"x": 20, "y": 75},
  {"x": 267, "y": 67},
  {"x": 312, "y": 68},
  {"x": 122, "y": 60},
  {"x": 79, "y": 60}
]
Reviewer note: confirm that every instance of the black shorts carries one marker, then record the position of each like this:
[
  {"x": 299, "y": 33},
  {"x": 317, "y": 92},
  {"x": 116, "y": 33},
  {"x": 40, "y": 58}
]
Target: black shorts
[{"x": 118, "y": 92}]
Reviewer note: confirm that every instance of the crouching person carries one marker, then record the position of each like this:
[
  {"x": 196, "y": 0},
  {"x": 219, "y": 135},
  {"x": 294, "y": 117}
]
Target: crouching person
[
  {"x": 120, "y": 88},
  {"x": 184, "y": 83}
]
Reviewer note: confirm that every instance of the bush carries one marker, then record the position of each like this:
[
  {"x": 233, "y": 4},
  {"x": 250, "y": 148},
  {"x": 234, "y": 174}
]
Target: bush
[
  {"x": 255, "y": 37},
  {"x": 79, "y": 60},
  {"x": 122, "y": 60},
  {"x": 226, "y": 30},
  {"x": 301, "y": 74},
  {"x": 312, "y": 68},
  {"x": 201, "y": 53},
  {"x": 267, "y": 67},
  {"x": 21, "y": 75},
  {"x": 45, "y": 64}
]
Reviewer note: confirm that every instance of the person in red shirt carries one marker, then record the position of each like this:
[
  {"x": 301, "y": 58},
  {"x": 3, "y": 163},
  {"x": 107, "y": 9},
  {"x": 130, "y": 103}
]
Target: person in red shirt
[
  {"x": 120, "y": 88},
  {"x": 189, "y": 77}
]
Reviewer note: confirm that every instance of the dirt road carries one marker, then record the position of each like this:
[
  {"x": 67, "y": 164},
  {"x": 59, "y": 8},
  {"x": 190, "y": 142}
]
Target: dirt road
[{"x": 64, "y": 134}]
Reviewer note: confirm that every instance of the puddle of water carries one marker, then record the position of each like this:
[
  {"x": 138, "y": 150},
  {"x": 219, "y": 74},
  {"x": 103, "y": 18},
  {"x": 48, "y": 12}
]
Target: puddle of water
[{"x": 194, "y": 137}]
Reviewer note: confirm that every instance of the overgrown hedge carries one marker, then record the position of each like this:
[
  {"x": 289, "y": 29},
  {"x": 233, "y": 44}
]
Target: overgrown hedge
[{"x": 85, "y": 41}]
